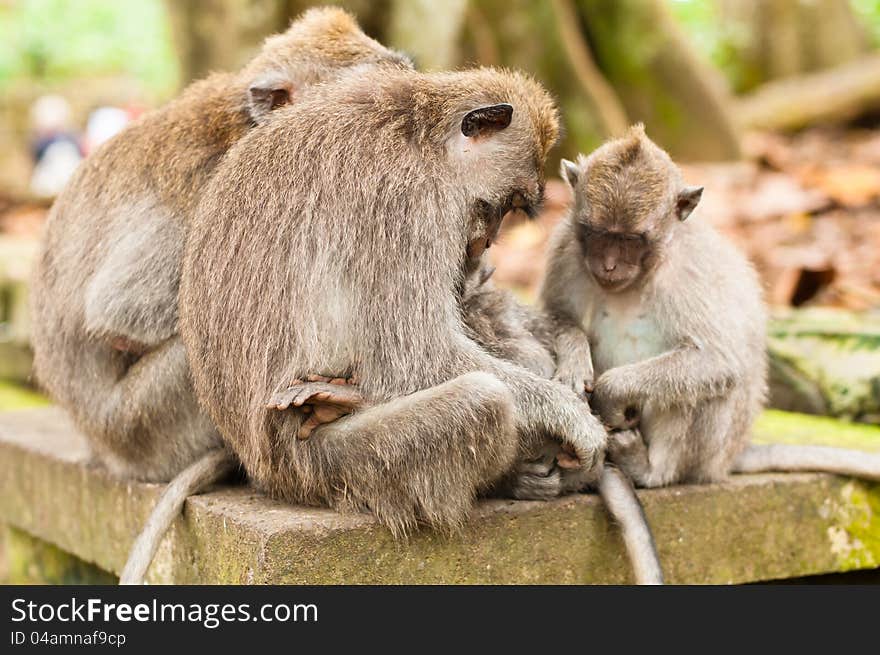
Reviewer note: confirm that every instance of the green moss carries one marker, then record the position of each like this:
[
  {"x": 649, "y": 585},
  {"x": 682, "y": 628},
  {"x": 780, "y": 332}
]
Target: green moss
[
  {"x": 856, "y": 544},
  {"x": 14, "y": 396},
  {"x": 34, "y": 561},
  {"x": 775, "y": 426}
]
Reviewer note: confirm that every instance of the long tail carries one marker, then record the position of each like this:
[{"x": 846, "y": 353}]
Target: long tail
[
  {"x": 212, "y": 467},
  {"x": 789, "y": 458},
  {"x": 620, "y": 498}
]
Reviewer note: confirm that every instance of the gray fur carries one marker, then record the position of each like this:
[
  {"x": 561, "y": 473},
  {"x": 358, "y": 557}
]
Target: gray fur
[
  {"x": 525, "y": 335},
  {"x": 345, "y": 255},
  {"x": 791, "y": 457},
  {"x": 677, "y": 333}
]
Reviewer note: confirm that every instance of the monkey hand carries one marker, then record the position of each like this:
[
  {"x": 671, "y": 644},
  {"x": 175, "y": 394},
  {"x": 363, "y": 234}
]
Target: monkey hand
[
  {"x": 582, "y": 446},
  {"x": 322, "y": 399},
  {"x": 577, "y": 376},
  {"x": 614, "y": 400}
]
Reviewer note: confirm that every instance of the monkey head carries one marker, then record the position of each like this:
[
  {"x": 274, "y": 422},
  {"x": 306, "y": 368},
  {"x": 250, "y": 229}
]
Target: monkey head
[
  {"x": 498, "y": 147},
  {"x": 629, "y": 198},
  {"x": 320, "y": 44}
]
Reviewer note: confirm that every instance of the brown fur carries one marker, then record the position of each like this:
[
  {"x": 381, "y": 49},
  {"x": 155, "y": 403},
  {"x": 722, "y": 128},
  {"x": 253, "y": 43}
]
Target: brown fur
[
  {"x": 110, "y": 265},
  {"x": 344, "y": 255}
]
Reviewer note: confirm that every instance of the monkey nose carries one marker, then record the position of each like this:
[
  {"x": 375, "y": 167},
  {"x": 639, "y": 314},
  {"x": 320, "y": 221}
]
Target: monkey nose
[{"x": 609, "y": 266}]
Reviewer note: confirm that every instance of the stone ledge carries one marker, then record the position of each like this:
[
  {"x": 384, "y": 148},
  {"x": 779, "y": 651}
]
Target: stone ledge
[{"x": 751, "y": 528}]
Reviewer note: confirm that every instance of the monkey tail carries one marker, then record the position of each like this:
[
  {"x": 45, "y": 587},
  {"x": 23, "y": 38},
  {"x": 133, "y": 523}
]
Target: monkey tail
[
  {"x": 791, "y": 458},
  {"x": 211, "y": 467},
  {"x": 623, "y": 504}
]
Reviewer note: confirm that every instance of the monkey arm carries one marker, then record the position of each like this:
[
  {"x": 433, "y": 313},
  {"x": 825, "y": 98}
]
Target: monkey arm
[
  {"x": 574, "y": 360},
  {"x": 683, "y": 376},
  {"x": 546, "y": 408},
  {"x": 133, "y": 293},
  {"x": 563, "y": 297}
]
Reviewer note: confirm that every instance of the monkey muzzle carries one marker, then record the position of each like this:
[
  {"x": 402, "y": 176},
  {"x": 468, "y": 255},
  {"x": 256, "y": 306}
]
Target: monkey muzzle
[{"x": 494, "y": 217}]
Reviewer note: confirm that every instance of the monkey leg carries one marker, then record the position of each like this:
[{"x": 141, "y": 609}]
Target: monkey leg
[
  {"x": 145, "y": 420},
  {"x": 656, "y": 453},
  {"x": 419, "y": 458}
]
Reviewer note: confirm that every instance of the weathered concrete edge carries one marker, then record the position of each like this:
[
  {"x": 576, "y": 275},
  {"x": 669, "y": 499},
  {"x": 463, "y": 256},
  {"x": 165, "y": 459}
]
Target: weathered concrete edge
[{"x": 750, "y": 528}]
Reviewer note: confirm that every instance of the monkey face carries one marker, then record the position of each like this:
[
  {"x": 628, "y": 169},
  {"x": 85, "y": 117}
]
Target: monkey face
[{"x": 616, "y": 260}]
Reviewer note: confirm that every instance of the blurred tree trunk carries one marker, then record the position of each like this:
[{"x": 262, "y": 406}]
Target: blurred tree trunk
[
  {"x": 609, "y": 62},
  {"x": 214, "y": 35},
  {"x": 834, "y": 95},
  {"x": 524, "y": 35},
  {"x": 428, "y": 31},
  {"x": 771, "y": 39},
  {"x": 659, "y": 79}
]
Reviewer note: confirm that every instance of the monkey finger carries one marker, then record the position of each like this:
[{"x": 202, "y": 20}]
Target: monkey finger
[
  {"x": 280, "y": 400},
  {"x": 306, "y": 429},
  {"x": 329, "y": 413},
  {"x": 318, "y": 378},
  {"x": 307, "y": 392}
]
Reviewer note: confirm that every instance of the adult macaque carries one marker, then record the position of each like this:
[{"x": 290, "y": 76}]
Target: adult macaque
[
  {"x": 523, "y": 335},
  {"x": 673, "y": 316},
  {"x": 333, "y": 241},
  {"x": 105, "y": 289}
]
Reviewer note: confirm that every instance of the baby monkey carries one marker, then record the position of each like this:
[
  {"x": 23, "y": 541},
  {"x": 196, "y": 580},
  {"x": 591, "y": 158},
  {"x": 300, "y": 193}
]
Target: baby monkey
[{"x": 664, "y": 321}]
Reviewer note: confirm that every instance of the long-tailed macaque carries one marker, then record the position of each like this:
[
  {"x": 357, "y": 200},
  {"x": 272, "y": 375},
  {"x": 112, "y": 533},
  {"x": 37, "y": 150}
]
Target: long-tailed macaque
[
  {"x": 669, "y": 318},
  {"x": 105, "y": 288},
  {"x": 521, "y": 334},
  {"x": 333, "y": 240}
]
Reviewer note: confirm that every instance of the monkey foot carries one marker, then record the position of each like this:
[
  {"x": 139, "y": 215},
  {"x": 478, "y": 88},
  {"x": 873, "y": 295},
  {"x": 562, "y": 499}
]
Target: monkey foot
[{"x": 323, "y": 398}]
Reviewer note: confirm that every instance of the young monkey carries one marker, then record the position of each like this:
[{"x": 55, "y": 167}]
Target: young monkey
[{"x": 673, "y": 317}]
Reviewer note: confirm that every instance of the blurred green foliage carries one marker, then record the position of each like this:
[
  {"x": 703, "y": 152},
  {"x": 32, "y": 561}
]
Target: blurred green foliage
[
  {"x": 15, "y": 396},
  {"x": 869, "y": 12},
  {"x": 54, "y": 41},
  {"x": 720, "y": 41}
]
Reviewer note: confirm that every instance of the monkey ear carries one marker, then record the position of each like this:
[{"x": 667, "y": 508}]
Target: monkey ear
[
  {"x": 569, "y": 172},
  {"x": 266, "y": 95},
  {"x": 687, "y": 201},
  {"x": 486, "y": 120}
]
